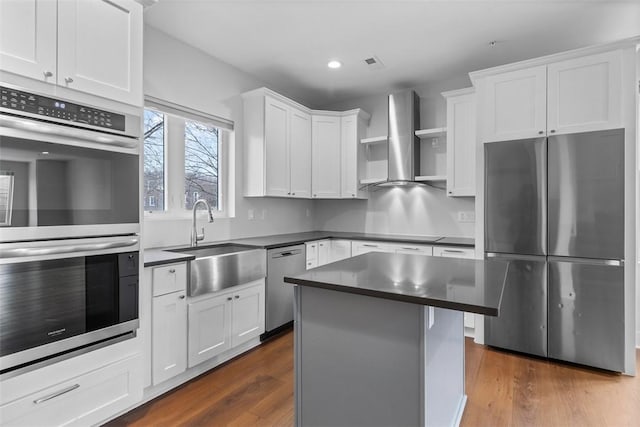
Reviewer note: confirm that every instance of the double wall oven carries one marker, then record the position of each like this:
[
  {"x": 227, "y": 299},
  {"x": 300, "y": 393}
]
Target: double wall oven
[{"x": 69, "y": 225}]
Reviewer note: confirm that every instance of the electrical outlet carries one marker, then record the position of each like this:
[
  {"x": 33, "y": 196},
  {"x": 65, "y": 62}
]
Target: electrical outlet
[
  {"x": 466, "y": 216},
  {"x": 251, "y": 214},
  {"x": 308, "y": 213}
]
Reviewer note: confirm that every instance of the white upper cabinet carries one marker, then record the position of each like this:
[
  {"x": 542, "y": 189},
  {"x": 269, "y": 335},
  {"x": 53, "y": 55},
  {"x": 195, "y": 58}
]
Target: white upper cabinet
[
  {"x": 575, "y": 95},
  {"x": 326, "y": 155},
  {"x": 514, "y": 105},
  {"x": 584, "y": 94},
  {"x": 353, "y": 158},
  {"x": 28, "y": 31},
  {"x": 93, "y": 46},
  {"x": 461, "y": 142},
  {"x": 277, "y": 146},
  {"x": 300, "y": 154}
]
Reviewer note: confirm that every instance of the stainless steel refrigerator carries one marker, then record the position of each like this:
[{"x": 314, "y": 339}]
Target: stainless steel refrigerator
[{"x": 555, "y": 208}]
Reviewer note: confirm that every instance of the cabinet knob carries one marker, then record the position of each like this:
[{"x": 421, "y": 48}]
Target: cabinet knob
[
  {"x": 289, "y": 193},
  {"x": 182, "y": 297},
  {"x": 553, "y": 131},
  {"x": 173, "y": 270},
  {"x": 315, "y": 195},
  {"x": 293, "y": 194},
  {"x": 229, "y": 298},
  {"x": 540, "y": 132},
  {"x": 47, "y": 74},
  {"x": 237, "y": 296},
  {"x": 353, "y": 195},
  {"x": 68, "y": 80}
]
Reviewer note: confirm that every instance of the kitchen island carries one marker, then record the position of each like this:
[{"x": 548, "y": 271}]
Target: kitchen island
[{"x": 379, "y": 338}]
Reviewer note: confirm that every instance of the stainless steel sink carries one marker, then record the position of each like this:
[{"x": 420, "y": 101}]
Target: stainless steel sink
[{"x": 222, "y": 266}]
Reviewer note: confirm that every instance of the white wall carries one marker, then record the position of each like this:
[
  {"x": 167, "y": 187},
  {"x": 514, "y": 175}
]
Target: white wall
[
  {"x": 176, "y": 72},
  {"x": 417, "y": 211}
]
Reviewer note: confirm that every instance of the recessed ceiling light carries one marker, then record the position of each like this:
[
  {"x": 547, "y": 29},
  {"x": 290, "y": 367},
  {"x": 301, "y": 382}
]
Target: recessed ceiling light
[{"x": 334, "y": 64}]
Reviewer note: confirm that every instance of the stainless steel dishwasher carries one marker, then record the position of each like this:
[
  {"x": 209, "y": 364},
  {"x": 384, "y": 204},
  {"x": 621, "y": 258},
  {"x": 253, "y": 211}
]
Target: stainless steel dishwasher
[{"x": 281, "y": 262}]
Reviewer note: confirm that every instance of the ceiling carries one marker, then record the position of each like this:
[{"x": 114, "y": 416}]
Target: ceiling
[{"x": 287, "y": 43}]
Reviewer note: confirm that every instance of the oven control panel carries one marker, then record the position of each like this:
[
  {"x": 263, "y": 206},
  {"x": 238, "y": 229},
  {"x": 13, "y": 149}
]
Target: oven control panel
[{"x": 58, "y": 109}]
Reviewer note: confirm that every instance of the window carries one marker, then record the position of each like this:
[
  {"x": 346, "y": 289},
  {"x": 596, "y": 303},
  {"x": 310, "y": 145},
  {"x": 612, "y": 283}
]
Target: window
[
  {"x": 194, "y": 166},
  {"x": 153, "y": 160},
  {"x": 201, "y": 164}
]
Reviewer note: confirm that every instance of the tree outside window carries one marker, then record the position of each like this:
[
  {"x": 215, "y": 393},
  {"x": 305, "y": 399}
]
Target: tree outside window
[
  {"x": 201, "y": 163},
  {"x": 153, "y": 160}
]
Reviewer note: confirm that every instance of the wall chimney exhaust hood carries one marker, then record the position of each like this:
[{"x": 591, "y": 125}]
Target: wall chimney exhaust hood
[{"x": 403, "y": 144}]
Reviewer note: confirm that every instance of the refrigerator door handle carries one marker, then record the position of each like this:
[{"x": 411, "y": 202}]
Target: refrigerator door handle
[
  {"x": 514, "y": 257},
  {"x": 592, "y": 261}
]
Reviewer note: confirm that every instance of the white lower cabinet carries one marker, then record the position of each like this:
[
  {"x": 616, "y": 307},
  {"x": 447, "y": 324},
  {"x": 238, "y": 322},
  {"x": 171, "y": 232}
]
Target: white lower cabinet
[
  {"x": 311, "y": 249},
  {"x": 413, "y": 249},
  {"x": 169, "y": 338},
  {"x": 323, "y": 252},
  {"x": 454, "y": 252},
  {"x": 339, "y": 249},
  {"x": 363, "y": 247},
  {"x": 86, "y": 399},
  {"x": 225, "y": 320}
]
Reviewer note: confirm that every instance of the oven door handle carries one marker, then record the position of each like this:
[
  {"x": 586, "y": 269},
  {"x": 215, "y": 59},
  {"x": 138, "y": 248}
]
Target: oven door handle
[
  {"x": 33, "y": 127},
  {"x": 65, "y": 249}
]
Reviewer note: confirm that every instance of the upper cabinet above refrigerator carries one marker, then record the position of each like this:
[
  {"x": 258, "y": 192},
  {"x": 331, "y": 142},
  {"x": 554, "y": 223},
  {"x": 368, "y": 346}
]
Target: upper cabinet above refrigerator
[
  {"x": 577, "y": 95},
  {"x": 586, "y": 195}
]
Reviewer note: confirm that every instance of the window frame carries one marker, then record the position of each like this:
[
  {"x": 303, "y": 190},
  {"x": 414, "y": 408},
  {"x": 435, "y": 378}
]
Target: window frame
[{"x": 174, "y": 168}]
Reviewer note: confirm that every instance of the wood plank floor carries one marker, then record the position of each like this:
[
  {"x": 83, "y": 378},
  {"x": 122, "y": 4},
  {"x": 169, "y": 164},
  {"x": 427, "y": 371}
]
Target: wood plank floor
[{"x": 503, "y": 389}]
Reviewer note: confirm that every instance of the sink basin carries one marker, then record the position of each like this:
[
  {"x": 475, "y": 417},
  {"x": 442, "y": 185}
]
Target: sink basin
[{"x": 222, "y": 266}]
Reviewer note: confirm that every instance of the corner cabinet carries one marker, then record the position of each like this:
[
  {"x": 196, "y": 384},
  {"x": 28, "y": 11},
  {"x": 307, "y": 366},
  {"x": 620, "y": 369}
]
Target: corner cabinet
[
  {"x": 576, "y": 95},
  {"x": 293, "y": 151},
  {"x": 277, "y": 146},
  {"x": 92, "y": 46},
  {"x": 461, "y": 142}
]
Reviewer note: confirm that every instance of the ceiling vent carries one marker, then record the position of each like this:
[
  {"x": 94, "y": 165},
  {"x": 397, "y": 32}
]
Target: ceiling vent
[{"x": 373, "y": 63}]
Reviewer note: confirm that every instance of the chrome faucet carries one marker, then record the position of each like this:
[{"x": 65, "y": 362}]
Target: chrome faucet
[{"x": 195, "y": 237}]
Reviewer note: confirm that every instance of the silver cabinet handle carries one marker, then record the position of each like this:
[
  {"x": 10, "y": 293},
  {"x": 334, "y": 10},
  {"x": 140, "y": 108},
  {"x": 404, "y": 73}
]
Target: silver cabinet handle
[
  {"x": 173, "y": 270},
  {"x": 540, "y": 132},
  {"x": 47, "y": 74},
  {"x": 182, "y": 297},
  {"x": 553, "y": 131},
  {"x": 237, "y": 297},
  {"x": 229, "y": 298},
  {"x": 68, "y": 80},
  {"x": 411, "y": 249},
  {"x": 370, "y": 246},
  {"x": 293, "y": 194},
  {"x": 56, "y": 394},
  {"x": 64, "y": 249},
  {"x": 453, "y": 251},
  {"x": 289, "y": 193}
]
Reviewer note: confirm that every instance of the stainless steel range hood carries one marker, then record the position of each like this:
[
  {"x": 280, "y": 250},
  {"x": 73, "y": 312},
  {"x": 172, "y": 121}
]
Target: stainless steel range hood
[{"x": 404, "y": 145}]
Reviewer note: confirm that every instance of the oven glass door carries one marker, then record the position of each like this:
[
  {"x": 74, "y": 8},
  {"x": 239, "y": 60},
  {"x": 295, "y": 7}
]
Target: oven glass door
[
  {"x": 49, "y": 184},
  {"x": 45, "y": 301}
]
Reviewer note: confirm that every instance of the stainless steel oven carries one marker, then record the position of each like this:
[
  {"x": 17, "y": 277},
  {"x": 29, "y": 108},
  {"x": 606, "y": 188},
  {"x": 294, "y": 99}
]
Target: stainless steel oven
[
  {"x": 58, "y": 296},
  {"x": 66, "y": 170}
]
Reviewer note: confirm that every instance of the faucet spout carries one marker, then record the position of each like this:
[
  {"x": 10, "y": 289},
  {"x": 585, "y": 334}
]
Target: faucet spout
[{"x": 195, "y": 236}]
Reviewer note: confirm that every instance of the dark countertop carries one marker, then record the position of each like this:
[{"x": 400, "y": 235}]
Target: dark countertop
[
  {"x": 282, "y": 240},
  {"x": 159, "y": 256},
  {"x": 153, "y": 257},
  {"x": 459, "y": 284}
]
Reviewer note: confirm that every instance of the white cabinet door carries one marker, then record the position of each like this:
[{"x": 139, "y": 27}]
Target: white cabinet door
[
  {"x": 209, "y": 322},
  {"x": 312, "y": 254},
  {"x": 339, "y": 249},
  {"x": 169, "y": 340},
  {"x": 247, "y": 314},
  {"x": 461, "y": 145},
  {"x": 28, "y": 38},
  {"x": 169, "y": 278},
  {"x": 453, "y": 252},
  {"x": 100, "y": 48},
  {"x": 276, "y": 133},
  {"x": 325, "y": 169},
  {"x": 514, "y": 105},
  {"x": 585, "y": 94},
  {"x": 350, "y": 145},
  {"x": 300, "y": 154},
  {"x": 323, "y": 252}
]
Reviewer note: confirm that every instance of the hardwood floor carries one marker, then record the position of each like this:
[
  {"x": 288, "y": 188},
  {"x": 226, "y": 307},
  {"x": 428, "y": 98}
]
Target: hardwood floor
[{"x": 503, "y": 389}]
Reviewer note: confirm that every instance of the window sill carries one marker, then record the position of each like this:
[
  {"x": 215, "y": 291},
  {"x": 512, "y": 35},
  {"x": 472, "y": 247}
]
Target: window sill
[{"x": 201, "y": 215}]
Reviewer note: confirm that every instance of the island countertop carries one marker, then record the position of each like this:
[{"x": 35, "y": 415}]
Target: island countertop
[{"x": 469, "y": 285}]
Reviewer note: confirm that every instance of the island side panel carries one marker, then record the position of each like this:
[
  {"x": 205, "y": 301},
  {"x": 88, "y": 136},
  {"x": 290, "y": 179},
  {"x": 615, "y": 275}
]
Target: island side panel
[
  {"x": 359, "y": 360},
  {"x": 444, "y": 366}
]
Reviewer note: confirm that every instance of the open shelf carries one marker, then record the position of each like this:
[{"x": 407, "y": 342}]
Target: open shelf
[
  {"x": 431, "y": 133},
  {"x": 374, "y": 140}
]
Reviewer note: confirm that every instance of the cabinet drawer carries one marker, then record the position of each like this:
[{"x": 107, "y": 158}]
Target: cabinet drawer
[
  {"x": 84, "y": 400},
  {"x": 169, "y": 278},
  {"x": 453, "y": 252}
]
